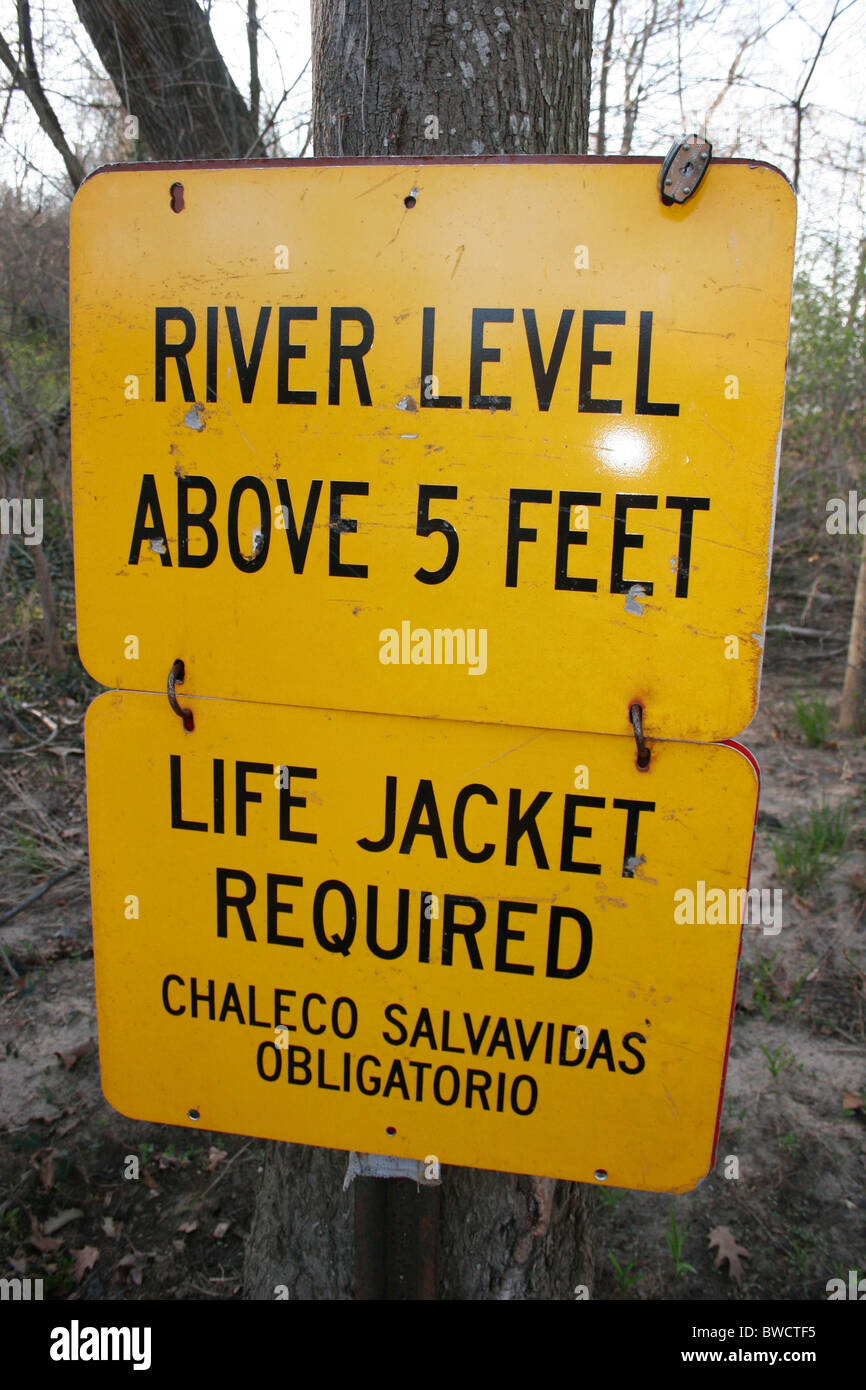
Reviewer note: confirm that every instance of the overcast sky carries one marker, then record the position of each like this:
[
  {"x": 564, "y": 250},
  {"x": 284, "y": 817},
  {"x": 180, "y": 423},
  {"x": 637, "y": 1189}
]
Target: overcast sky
[{"x": 754, "y": 118}]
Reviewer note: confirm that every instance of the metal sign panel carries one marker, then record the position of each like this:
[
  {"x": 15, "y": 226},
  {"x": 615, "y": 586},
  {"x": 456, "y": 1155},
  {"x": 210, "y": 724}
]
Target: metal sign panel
[
  {"x": 478, "y": 944},
  {"x": 496, "y": 440}
]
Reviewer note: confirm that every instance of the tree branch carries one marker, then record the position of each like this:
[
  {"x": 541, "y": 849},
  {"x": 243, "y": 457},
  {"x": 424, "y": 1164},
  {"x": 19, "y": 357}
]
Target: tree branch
[{"x": 27, "y": 79}]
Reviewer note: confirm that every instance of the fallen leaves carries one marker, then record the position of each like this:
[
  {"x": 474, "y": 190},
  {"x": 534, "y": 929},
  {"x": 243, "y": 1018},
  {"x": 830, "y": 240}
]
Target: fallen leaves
[
  {"x": 723, "y": 1238},
  {"x": 75, "y": 1054},
  {"x": 84, "y": 1259},
  {"x": 56, "y": 1223}
]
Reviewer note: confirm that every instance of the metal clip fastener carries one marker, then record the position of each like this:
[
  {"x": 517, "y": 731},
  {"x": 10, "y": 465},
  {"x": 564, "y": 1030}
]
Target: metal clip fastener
[
  {"x": 176, "y": 677},
  {"x": 635, "y": 714},
  {"x": 683, "y": 167}
]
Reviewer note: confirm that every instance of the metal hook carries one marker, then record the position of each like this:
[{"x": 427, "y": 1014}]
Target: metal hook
[
  {"x": 176, "y": 677},
  {"x": 635, "y": 714}
]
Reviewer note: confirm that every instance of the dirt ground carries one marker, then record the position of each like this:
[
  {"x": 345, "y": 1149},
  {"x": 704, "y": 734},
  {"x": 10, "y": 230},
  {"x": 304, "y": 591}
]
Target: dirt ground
[{"x": 784, "y": 1207}]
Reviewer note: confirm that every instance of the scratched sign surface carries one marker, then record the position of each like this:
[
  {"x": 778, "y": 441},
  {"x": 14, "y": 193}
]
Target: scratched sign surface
[
  {"x": 484, "y": 441},
  {"x": 482, "y": 943}
]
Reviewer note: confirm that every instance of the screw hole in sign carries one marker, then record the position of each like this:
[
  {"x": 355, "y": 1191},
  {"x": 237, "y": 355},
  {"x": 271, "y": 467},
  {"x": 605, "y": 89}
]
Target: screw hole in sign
[
  {"x": 601, "y": 1174},
  {"x": 194, "y": 1114},
  {"x": 391, "y": 1130},
  {"x": 176, "y": 191},
  {"x": 409, "y": 201}
]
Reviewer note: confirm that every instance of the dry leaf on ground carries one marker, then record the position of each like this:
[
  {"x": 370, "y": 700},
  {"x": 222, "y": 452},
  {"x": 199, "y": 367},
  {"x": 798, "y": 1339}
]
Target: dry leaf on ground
[{"x": 728, "y": 1249}]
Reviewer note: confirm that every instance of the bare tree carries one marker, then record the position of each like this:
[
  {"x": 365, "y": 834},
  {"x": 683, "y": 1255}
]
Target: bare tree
[
  {"x": 164, "y": 62},
  {"x": 25, "y": 75}
]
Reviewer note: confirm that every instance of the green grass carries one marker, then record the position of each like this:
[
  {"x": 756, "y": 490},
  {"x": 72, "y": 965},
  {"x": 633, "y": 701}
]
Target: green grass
[
  {"x": 810, "y": 844},
  {"x": 813, "y": 716},
  {"x": 626, "y": 1278},
  {"x": 675, "y": 1245},
  {"x": 780, "y": 1059}
]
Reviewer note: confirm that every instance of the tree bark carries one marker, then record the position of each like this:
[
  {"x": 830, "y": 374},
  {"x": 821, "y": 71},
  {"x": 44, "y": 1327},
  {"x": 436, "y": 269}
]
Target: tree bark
[
  {"x": 169, "y": 73},
  {"x": 500, "y": 78},
  {"x": 851, "y": 709}
]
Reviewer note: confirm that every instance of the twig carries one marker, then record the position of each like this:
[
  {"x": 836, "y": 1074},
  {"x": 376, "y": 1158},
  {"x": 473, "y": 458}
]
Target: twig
[
  {"x": 37, "y": 893},
  {"x": 223, "y": 1172}
]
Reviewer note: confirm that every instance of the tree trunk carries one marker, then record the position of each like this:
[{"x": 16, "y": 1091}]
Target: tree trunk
[
  {"x": 501, "y": 78},
  {"x": 851, "y": 710},
  {"x": 169, "y": 74}
]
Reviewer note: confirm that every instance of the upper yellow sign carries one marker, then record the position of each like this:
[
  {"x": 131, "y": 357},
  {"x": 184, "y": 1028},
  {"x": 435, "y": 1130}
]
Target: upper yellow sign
[
  {"x": 503, "y": 948},
  {"x": 486, "y": 441}
]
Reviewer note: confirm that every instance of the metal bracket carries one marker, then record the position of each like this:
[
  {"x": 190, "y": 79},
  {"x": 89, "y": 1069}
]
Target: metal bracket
[
  {"x": 176, "y": 677},
  {"x": 683, "y": 168},
  {"x": 635, "y": 714}
]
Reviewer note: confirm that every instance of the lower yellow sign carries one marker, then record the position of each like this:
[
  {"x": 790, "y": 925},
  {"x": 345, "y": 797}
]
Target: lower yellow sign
[{"x": 437, "y": 940}]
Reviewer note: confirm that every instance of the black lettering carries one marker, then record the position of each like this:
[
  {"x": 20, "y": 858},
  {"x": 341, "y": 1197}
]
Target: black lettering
[
  {"x": 165, "y": 1004},
  {"x": 286, "y": 350},
  {"x": 390, "y": 1011},
  {"x": 242, "y": 792},
  {"x": 240, "y": 902},
  {"x": 148, "y": 501},
  {"x": 389, "y": 952},
  {"x": 275, "y": 907},
  {"x": 624, "y": 540},
  {"x": 555, "y": 971},
  {"x": 199, "y": 521},
  {"x": 520, "y": 824},
  {"x": 571, "y": 832},
  {"x": 477, "y": 1080},
  {"x": 341, "y": 526},
  {"x": 533, "y": 1094},
  {"x": 177, "y": 820},
  {"x": 428, "y": 400},
  {"x": 247, "y": 368},
  {"x": 626, "y": 1042},
  {"x": 455, "y": 1084},
  {"x": 424, "y": 802},
  {"x": 517, "y": 533},
  {"x": 287, "y": 801},
  {"x": 299, "y": 543},
  {"x": 472, "y": 856},
  {"x": 565, "y": 538},
  {"x": 164, "y": 350},
  {"x": 546, "y": 377},
  {"x": 341, "y": 945},
  {"x": 633, "y": 810},
  {"x": 468, "y": 930},
  {"x": 479, "y": 354},
  {"x": 248, "y": 564},
  {"x": 376, "y": 846},
  {"x": 591, "y": 356},
  {"x": 602, "y": 1049},
  {"x": 355, "y": 353},
  {"x": 504, "y": 934},
  {"x": 687, "y": 506},
  {"x": 642, "y": 404}
]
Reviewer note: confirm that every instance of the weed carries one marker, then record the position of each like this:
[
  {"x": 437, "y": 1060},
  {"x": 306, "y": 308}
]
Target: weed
[
  {"x": 675, "y": 1245},
  {"x": 30, "y": 852},
  {"x": 806, "y": 849},
  {"x": 778, "y": 1060},
  {"x": 813, "y": 716},
  {"x": 612, "y": 1198},
  {"x": 625, "y": 1278}
]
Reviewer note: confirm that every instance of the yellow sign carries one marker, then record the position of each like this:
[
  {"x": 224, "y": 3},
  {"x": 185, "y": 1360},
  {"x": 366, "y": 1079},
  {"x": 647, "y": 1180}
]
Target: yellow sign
[
  {"x": 491, "y": 441},
  {"x": 485, "y": 946}
]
